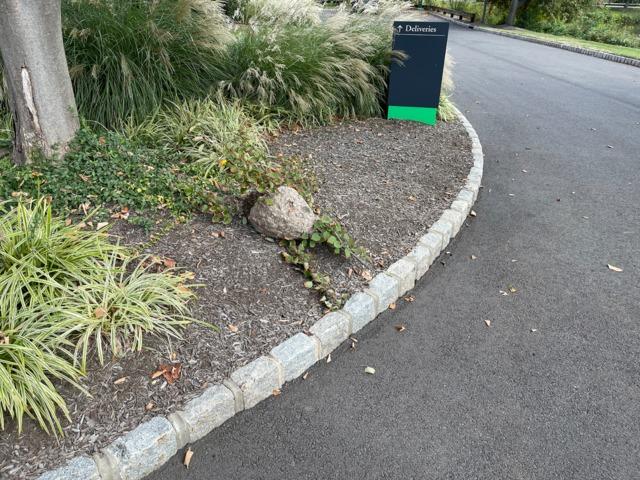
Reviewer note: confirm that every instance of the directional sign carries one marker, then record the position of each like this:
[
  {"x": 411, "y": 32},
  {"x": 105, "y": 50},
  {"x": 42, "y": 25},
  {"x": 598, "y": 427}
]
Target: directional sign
[{"x": 414, "y": 83}]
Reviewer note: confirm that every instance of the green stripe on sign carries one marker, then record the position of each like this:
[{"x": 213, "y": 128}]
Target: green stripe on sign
[{"x": 418, "y": 114}]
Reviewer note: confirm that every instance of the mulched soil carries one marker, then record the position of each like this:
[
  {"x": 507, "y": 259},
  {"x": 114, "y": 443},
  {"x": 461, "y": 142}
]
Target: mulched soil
[{"x": 386, "y": 181}]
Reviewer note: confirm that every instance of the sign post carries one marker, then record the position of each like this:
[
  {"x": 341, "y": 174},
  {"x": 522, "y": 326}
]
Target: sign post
[{"x": 415, "y": 83}]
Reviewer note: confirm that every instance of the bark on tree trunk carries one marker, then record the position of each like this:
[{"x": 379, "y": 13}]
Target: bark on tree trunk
[
  {"x": 511, "y": 19},
  {"x": 40, "y": 94}
]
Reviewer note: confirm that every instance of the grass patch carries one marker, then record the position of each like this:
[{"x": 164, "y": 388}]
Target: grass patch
[{"x": 603, "y": 47}]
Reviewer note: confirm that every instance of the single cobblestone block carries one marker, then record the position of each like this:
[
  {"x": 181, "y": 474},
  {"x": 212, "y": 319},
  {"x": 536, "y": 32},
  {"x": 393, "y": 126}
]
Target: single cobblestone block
[
  {"x": 404, "y": 270},
  {"x": 257, "y": 380},
  {"x": 332, "y": 329},
  {"x": 386, "y": 289},
  {"x": 432, "y": 241},
  {"x": 444, "y": 228},
  {"x": 461, "y": 206},
  {"x": 144, "y": 449},
  {"x": 209, "y": 410},
  {"x": 466, "y": 196},
  {"x": 423, "y": 258},
  {"x": 455, "y": 218},
  {"x": 296, "y": 355},
  {"x": 362, "y": 308},
  {"x": 79, "y": 468}
]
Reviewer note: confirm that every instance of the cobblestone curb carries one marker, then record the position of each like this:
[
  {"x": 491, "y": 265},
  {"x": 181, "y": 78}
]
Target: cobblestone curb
[
  {"x": 549, "y": 43},
  {"x": 151, "y": 444}
]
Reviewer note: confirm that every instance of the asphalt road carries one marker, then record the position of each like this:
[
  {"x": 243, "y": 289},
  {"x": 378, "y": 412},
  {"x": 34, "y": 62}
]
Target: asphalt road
[{"x": 551, "y": 390}]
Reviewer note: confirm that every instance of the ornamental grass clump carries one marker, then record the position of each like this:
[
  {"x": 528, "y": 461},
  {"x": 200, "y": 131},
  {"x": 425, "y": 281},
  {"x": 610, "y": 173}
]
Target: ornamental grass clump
[
  {"x": 221, "y": 141},
  {"x": 129, "y": 56},
  {"x": 67, "y": 291},
  {"x": 309, "y": 71}
]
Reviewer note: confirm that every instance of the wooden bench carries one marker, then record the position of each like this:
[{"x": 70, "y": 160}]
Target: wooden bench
[{"x": 462, "y": 16}]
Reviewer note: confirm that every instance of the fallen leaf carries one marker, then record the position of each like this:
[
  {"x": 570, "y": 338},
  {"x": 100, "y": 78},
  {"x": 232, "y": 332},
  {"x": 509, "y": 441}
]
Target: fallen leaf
[
  {"x": 392, "y": 306},
  {"x": 232, "y": 328},
  {"x": 366, "y": 274},
  {"x": 4, "y": 339},
  {"x": 614, "y": 268},
  {"x": 534, "y": 330},
  {"x": 410, "y": 298},
  {"x": 169, "y": 262},
  {"x": 512, "y": 289},
  {"x": 171, "y": 373},
  {"x": 84, "y": 178},
  {"x": 524, "y": 171},
  {"x": 473, "y": 213},
  {"x": 276, "y": 392},
  {"x": 502, "y": 292},
  {"x": 306, "y": 374},
  {"x": 473, "y": 257},
  {"x": 121, "y": 380},
  {"x": 353, "y": 345},
  {"x": 67, "y": 222},
  {"x": 329, "y": 358},
  {"x": 188, "y": 455},
  {"x": 488, "y": 323},
  {"x": 99, "y": 312},
  {"x": 412, "y": 198},
  {"x": 101, "y": 225},
  {"x": 149, "y": 406},
  {"x": 370, "y": 370},
  {"x": 400, "y": 328}
]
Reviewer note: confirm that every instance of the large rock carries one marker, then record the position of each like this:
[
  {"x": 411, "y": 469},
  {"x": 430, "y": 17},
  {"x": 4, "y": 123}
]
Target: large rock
[{"x": 284, "y": 214}]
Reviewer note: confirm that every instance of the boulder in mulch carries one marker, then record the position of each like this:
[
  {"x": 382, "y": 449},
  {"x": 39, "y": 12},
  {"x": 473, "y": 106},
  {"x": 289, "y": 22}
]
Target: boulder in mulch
[{"x": 284, "y": 214}]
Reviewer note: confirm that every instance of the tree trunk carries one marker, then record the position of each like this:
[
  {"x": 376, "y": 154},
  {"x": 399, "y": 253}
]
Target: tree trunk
[
  {"x": 511, "y": 19},
  {"x": 40, "y": 94}
]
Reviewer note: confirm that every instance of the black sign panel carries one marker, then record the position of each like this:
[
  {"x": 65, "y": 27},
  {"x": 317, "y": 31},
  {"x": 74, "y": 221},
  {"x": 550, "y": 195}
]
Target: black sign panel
[{"x": 414, "y": 84}]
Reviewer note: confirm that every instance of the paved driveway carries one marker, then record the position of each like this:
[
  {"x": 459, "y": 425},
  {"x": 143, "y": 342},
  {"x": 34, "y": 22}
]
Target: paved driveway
[{"x": 552, "y": 389}]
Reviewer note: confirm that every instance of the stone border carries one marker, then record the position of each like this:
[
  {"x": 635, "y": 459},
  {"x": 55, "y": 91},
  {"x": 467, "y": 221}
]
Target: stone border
[
  {"x": 149, "y": 446},
  {"x": 549, "y": 43}
]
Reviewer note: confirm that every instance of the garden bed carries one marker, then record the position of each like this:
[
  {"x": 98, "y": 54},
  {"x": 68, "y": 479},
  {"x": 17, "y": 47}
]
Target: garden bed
[{"x": 386, "y": 181}]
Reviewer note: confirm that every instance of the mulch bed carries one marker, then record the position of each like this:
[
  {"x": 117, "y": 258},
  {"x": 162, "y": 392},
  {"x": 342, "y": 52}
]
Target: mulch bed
[{"x": 386, "y": 181}]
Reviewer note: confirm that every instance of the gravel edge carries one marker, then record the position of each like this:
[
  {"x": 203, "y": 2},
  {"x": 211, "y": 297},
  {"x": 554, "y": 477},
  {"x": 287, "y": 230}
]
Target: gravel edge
[
  {"x": 550, "y": 43},
  {"x": 146, "y": 448}
]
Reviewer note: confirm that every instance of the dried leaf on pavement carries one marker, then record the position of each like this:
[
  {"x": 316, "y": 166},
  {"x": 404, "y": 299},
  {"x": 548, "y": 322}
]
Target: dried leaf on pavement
[
  {"x": 187, "y": 457},
  {"x": 488, "y": 323},
  {"x": 370, "y": 370},
  {"x": 400, "y": 328},
  {"x": 614, "y": 268}
]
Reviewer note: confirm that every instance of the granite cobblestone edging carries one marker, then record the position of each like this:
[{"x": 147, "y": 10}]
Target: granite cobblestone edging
[
  {"x": 549, "y": 43},
  {"x": 146, "y": 448}
]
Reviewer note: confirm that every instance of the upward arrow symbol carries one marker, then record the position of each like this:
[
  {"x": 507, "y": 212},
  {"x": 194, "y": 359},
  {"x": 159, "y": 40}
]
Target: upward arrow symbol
[{"x": 399, "y": 28}]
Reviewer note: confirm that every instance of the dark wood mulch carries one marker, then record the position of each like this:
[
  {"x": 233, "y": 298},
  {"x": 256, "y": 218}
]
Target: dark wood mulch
[{"x": 386, "y": 181}]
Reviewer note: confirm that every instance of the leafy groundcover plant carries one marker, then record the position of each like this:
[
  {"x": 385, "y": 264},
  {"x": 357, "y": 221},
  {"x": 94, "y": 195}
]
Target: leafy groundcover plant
[{"x": 66, "y": 290}]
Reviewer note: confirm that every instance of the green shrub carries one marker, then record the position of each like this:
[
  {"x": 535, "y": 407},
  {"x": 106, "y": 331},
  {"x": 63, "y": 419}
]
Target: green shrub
[
  {"x": 226, "y": 146},
  {"x": 127, "y": 57}
]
